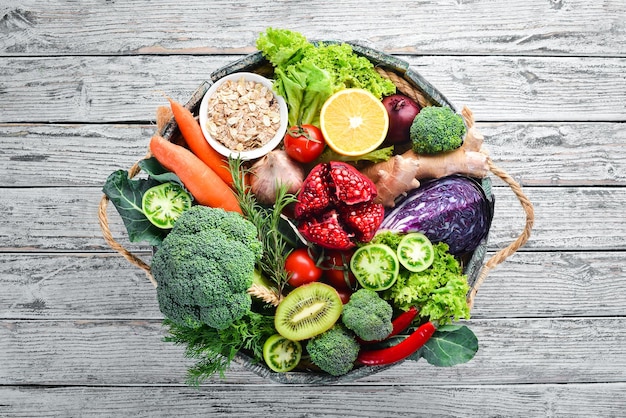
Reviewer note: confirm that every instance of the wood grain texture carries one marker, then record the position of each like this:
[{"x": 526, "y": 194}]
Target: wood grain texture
[
  {"x": 116, "y": 352},
  {"x": 89, "y": 89},
  {"x": 533, "y": 284},
  {"x": 573, "y": 400},
  {"x": 538, "y": 27},
  {"x": 80, "y": 331},
  {"x": 65, "y": 219},
  {"x": 535, "y": 154}
]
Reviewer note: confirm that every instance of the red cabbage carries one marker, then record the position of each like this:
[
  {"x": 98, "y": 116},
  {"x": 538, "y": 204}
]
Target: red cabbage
[{"x": 454, "y": 210}]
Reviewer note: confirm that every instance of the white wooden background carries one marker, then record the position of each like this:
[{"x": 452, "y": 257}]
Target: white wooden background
[{"x": 80, "y": 331}]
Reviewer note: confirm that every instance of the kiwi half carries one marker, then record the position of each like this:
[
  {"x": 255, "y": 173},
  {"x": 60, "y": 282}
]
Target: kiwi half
[{"x": 308, "y": 311}]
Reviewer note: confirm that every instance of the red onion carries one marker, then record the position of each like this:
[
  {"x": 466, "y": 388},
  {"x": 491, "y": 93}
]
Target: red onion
[{"x": 402, "y": 110}]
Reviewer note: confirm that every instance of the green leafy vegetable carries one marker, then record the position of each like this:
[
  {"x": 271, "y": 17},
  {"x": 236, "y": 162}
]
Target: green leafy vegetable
[
  {"x": 126, "y": 195},
  {"x": 156, "y": 171},
  {"x": 449, "y": 346},
  {"x": 439, "y": 292},
  {"x": 306, "y": 74},
  {"x": 376, "y": 156}
]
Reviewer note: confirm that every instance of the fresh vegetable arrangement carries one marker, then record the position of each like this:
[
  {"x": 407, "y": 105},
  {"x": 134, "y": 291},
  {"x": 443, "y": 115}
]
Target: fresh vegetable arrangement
[{"x": 342, "y": 248}]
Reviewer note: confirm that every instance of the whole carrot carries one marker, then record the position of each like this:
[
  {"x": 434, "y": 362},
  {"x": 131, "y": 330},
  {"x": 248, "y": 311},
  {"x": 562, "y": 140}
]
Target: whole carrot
[
  {"x": 192, "y": 133},
  {"x": 202, "y": 182}
]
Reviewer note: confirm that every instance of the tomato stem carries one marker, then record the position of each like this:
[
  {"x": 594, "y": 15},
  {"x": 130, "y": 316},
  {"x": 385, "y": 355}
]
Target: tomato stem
[{"x": 298, "y": 131}]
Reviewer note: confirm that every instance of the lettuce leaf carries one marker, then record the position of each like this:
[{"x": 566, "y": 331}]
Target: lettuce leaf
[
  {"x": 439, "y": 292},
  {"x": 306, "y": 74}
]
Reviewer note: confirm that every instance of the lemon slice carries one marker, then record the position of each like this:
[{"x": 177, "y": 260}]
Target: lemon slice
[{"x": 354, "y": 122}]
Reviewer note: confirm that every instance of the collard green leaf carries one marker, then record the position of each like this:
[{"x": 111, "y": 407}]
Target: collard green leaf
[
  {"x": 126, "y": 195},
  {"x": 450, "y": 345},
  {"x": 156, "y": 171}
]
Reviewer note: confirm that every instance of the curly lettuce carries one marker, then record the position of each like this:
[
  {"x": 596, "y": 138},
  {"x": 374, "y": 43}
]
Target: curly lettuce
[
  {"x": 306, "y": 74},
  {"x": 439, "y": 292}
]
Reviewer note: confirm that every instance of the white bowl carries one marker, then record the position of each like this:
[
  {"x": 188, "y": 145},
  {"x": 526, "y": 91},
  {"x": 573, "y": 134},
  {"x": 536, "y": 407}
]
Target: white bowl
[{"x": 251, "y": 154}]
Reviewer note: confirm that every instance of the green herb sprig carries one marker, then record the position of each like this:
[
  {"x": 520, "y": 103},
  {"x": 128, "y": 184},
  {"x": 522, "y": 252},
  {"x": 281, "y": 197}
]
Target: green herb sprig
[{"x": 276, "y": 247}]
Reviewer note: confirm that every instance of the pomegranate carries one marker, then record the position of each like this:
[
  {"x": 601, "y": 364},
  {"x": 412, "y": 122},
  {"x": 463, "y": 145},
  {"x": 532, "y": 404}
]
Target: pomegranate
[{"x": 336, "y": 208}]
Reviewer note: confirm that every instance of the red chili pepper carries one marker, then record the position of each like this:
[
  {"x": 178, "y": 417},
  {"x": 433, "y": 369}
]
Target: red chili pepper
[
  {"x": 403, "y": 321},
  {"x": 399, "y": 351}
]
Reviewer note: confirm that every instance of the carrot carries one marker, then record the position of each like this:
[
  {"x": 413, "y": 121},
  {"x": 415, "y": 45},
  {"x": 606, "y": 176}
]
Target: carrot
[
  {"x": 192, "y": 133},
  {"x": 202, "y": 182}
]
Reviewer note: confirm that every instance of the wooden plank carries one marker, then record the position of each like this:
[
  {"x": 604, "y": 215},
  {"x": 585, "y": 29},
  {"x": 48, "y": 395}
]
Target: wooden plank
[
  {"x": 60, "y": 286},
  {"x": 512, "y": 351},
  {"x": 544, "y": 154},
  {"x": 533, "y": 153},
  {"x": 65, "y": 219},
  {"x": 537, "y": 27},
  {"x": 90, "y": 89},
  {"x": 106, "y": 286},
  {"x": 574, "y": 400}
]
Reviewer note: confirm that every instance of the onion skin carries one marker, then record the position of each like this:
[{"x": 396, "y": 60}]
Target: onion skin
[
  {"x": 402, "y": 111},
  {"x": 273, "y": 169}
]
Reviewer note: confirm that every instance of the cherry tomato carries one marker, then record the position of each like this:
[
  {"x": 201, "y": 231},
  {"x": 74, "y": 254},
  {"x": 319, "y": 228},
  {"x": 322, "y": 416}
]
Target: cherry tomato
[
  {"x": 304, "y": 143},
  {"x": 337, "y": 270},
  {"x": 344, "y": 295},
  {"x": 302, "y": 268}
]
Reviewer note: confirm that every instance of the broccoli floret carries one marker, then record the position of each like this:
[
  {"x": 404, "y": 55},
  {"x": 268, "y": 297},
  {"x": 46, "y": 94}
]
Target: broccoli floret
[
  {"x": 368, "y": 315},
  {"x": 437, "y": 129},
  {"x": 234, "y": 225},
  {"x": 204, "y": 268},
  {"x": 334, "y": 351}
]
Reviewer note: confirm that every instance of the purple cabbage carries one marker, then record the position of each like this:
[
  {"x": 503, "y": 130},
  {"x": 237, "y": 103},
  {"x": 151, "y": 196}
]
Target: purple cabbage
[{"x": 454, "y": 210}]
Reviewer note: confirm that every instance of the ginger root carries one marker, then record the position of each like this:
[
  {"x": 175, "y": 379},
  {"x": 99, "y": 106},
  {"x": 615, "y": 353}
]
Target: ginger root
[
  {"x": 393, "y": 177},
  {"x": 402, "y": 172}
]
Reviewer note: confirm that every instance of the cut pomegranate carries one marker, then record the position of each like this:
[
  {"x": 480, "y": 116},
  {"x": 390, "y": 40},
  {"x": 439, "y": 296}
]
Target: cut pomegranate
[
  {"x": 335, "y": 207},
  {"x": 351, "y": 187},
  {"x": 364, "y": 219}
]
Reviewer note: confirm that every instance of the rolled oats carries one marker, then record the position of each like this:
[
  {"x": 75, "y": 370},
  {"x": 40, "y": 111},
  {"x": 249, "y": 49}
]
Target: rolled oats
[{"x": 243, "y": 115}]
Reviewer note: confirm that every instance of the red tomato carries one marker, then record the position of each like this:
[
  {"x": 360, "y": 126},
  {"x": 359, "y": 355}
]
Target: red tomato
[
  {"x": 344, "y": 295},
  {"x": 302, "y": 268},
  {"x": 304, "y": 143},
  {"x": 337, "y": 267}
]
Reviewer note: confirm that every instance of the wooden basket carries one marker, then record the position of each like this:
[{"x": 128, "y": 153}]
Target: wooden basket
[{"x": 407, "y": 82}]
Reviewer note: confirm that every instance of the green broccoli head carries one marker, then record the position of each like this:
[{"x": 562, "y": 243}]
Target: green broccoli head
[
  {"x": 368, "y": 315},
  {"x": 236, "y": 227},
  {"x": 437, "y": 129},
  {"x": 334, "y": 351},
  {"x": 203, "y": 270}
]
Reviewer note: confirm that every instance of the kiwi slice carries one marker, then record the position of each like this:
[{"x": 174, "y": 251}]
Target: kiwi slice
[{"x": 308, "y": 311}]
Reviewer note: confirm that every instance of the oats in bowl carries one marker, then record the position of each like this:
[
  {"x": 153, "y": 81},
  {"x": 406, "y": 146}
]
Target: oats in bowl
[{"x": 241, "y": 116}]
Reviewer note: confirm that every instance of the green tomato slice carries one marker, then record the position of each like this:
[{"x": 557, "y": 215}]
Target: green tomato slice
[
  {"x": 163, "y": 204},
  {"x": 415, "y": 252},
  {"x": 375, "y": 266},
  {"x": 281, "y": 354}
]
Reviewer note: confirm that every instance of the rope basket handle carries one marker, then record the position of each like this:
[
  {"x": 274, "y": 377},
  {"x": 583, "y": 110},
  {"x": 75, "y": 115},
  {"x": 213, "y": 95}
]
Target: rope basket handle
[
  {"x": 108, "y": 237},
  {"x": 527, "y": 206}
]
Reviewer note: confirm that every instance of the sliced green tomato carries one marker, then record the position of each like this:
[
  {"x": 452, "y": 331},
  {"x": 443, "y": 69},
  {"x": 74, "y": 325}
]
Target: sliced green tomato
[
  {"x": 375, "y": 266},
  {"x": 415, "y": 252},
  {"x": 163, "y": 204},
  {"x": 281, "y": 354}
]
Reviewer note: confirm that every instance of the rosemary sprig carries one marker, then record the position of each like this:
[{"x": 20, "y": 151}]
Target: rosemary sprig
[{"x": 266, "y": 220}]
